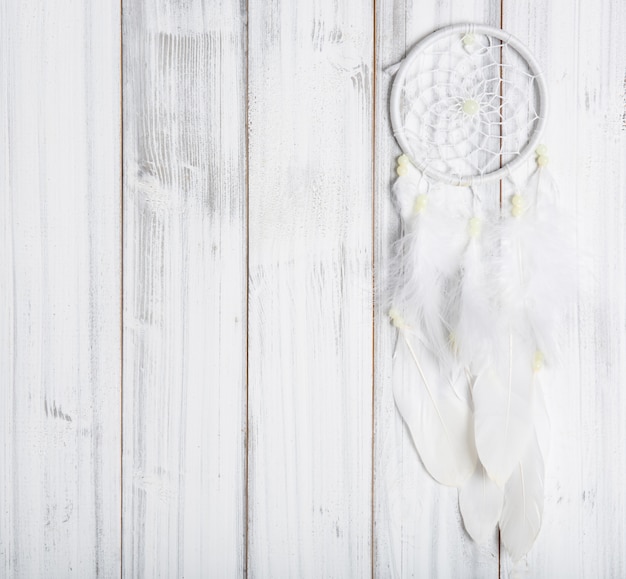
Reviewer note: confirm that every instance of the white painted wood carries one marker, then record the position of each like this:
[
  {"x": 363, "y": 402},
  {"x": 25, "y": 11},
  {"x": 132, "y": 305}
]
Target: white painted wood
[
  {"x": 60, "y": 280},
  {"x": 583, "y": 51},
  {"x": 184, "y": 290},
  {"x": 318, "y": 216},
  {"x": 310, "y": 289},
  {"x": 417, "y": 527}
]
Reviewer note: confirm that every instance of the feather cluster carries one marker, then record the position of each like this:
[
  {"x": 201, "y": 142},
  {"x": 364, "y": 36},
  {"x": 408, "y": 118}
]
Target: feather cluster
[{"x": 477, "y": 303}]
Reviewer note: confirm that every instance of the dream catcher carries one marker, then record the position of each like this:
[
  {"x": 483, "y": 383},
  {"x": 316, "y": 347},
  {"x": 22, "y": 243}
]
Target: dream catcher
[{"x": 477, "y": 286}]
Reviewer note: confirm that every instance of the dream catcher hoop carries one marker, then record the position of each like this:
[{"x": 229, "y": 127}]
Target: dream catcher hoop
[
  {"x": 476, "y": 294},
  {"x": 464, "y": 92}
]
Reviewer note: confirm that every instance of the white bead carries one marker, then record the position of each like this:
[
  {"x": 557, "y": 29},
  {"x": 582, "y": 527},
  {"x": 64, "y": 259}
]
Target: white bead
[
  {"x": 541, "y": 150},
  {"x": 470, "y": 107},
  {"x": 402, "y": 170},
  {"x": 474, "y": 227},
  {"x": 469, "y": 39},
  {"x": 403, "y": 160},
  {"x": 420, "y": 203},
  {"x": 542, "y": 160},
  {"x": 516, "y": 211},
  {"x": 517, "y": 200},
  {"x": 396, "y": 318}
]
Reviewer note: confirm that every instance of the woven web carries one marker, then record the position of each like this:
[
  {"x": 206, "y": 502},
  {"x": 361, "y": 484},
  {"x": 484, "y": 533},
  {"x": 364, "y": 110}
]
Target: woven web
[{"x": 450, "y": 78}]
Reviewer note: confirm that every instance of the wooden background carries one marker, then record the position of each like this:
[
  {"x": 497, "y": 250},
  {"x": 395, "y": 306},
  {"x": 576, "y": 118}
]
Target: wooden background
[{"x": 194, "y": 372}]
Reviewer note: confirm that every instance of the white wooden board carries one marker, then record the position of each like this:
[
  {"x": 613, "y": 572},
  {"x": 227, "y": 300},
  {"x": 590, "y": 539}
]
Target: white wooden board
[
  {"x": 184, "y": 290},
  {"x": 310, "y": 289},
  {"x": 60, "y": 280}
]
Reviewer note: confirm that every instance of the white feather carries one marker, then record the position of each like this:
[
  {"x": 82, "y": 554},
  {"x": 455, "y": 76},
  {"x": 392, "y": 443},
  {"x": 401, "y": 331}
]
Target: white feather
[
  {"x": 404, "y": 191},
  {"x": 480, "y": 502},
  {"x": 425, "y": 256},
  {"x": 500, "y": 314},
  {"x": 502, "y": 396},
  {"x": 537, "y": 266},
  {"x": 439, "y": 421},
  {"x": 541, "y": 417},
  {"x": 523, "y": 503},
  {"x": 469, "y": 308},
  {"x": 531, "y": 266}
]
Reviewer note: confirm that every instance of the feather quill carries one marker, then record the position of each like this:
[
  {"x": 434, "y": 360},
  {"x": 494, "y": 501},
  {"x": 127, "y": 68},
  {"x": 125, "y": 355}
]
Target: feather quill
[
  {"x": 523, "y": 503},
  {"x": 541, "y": 417},
  {"x": 480, "y": 503},
  {"x": 439, "y": 421},
  {"x": 502, "y": 396}
]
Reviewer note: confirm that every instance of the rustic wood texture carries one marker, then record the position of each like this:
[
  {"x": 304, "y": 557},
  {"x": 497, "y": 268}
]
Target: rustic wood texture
[
  {"x": 229, "y": 412},
  {"x": 60, "y": 278},
  {"x": 184, "y": 290},
  {"x": 310, "y": 289}
]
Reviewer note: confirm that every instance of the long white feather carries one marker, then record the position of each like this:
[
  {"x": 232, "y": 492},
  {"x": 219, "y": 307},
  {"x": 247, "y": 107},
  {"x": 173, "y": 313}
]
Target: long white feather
[
  {"x": 439, "y": 421},
  {"x": 523, "y": 503},
  {"x": 521, "y": 518},
  {"x": 480, "y": 502},
  {"x": 502, "y": 396},
  {"x": 533, "y": 264}
]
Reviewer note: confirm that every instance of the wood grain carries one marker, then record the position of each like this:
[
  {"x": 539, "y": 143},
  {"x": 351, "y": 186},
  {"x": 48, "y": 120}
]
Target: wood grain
[
  {"x": 418, "y": 529},
  {"x": 257, "y": 166},
  {"x": 310, "y": 289},
  {"x": 60, "y": 280},
  {"x": 583, "y": 53},
  {"x": 184, "y": 290}
]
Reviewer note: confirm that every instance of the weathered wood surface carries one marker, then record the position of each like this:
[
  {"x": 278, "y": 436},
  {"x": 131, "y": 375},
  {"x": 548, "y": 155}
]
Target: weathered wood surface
[
  {"x": 60, "y": 279},
  {"x": 184, "y": 290},
  {"x": 259, "y": 433},
  {"x": 310, "y": 289}
]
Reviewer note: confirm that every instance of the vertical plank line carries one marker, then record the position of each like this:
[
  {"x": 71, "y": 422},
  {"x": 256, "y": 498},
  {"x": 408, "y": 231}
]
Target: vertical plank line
[
  {"x": 579, "y": 308},
  {"x": 501, "y": 28},
  {"x": 121, "y": 258},
  {"x": 501, "y": 95},
  {"x": 247, "y": 294},
  {"x": 373, "y": 267}
]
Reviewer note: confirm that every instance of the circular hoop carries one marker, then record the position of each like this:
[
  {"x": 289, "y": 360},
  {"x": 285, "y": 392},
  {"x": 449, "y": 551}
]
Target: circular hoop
[{"x": 396, "y": 92}]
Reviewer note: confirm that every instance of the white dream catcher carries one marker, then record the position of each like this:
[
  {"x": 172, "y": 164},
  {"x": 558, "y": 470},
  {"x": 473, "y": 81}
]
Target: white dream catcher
[{"x": 475, "y": 293}]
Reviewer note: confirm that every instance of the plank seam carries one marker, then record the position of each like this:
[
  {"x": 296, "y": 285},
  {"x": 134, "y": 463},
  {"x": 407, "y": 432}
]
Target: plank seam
[
  {"x": 373, "y": 266},
  {"x": 121, "y": 258},
  {"x": 501, "y": 28},
  {"x": 247, "y": 294}
]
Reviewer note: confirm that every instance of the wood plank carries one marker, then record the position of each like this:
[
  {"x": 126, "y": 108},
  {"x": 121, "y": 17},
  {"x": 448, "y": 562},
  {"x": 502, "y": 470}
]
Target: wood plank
[
  {"x": 60, "y": 281},
  {"x": 418, "y": 530},
  {"x": 184, "y": 289},
  {"x": 583, "y": 50},
  {"x": 310, "y": 289}
]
